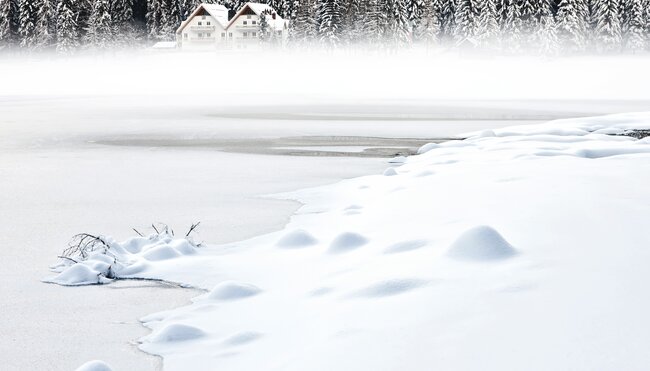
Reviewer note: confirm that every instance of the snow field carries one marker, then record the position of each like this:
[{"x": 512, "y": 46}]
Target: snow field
[{"x": 518, "y": 248}]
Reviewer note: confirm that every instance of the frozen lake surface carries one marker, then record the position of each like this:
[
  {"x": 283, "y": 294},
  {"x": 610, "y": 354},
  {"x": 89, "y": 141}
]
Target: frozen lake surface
[{"x": 106, "y": 164}]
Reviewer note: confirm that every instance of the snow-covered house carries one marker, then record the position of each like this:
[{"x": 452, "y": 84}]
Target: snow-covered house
[
  {"x": 206, "y": 27},
  {"x": 252, "y": 26},
  {"x": 247, "y": 27}
]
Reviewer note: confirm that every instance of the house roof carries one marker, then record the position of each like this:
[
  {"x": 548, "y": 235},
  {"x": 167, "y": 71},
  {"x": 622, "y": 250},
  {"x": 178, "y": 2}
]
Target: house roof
[{"x": 218, "y": 12}]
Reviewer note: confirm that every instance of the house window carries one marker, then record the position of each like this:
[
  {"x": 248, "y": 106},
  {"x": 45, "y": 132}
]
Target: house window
[
  {"x": 254, "y": 22},
  {"x": 200, "y": 23},
  {"x": 207, "y": 23},
  {"x": 223, "y": 34},
  {"x": 245, "y": 34},
  {"x": 202, "y": 17},
  {"x": 230, "y": 34},
  {"x": 248, "y": 17},
  {"x": 254, "y": 34},
  {"x": 200, "y": 35},
  {"x": 185, "y": 36},
  {"x": 208, "y": 35},
  {"x": 245, "y": 23}
]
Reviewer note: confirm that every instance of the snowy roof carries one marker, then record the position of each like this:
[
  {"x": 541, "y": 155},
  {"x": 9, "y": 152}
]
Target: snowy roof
[
  {"x": 164, "y": 45},
  {"x": 258, "y": 8},
  {"x": 218, "y": 12}
]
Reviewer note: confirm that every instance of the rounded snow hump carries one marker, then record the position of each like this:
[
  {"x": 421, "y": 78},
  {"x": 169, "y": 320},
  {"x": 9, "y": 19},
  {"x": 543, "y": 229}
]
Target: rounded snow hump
[{"x": 482, "y": 243}]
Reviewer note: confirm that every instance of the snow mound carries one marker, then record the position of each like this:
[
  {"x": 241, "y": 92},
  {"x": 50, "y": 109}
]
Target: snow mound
[
  {"x": 405, "y": 246},
  {"x": 77, "y": 275},
  {"x": 163, "y": 252},
  {"x": 427, "y": 147},
  {"x": 347, "y": 241},
  {"x": 109, "y": 259},
  {"x": 296, "y": 239},
  {"x": 481, "y": 243},
  {"x": 397, "y": 160},
  {"x": 231, "y": 290},
  {"x": 242, "y": 338},
  {"x": 177, "y": 332},
  {"x": 390, "y": 172},
  {"x": 390, "y": 288},
  {"x": 94, "y": 366}
]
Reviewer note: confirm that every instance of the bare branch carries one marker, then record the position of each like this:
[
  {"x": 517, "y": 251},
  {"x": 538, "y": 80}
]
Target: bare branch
[{"x": 192, "y": 228}]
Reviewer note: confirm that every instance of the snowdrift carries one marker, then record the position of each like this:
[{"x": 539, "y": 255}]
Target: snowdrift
[{"x": 518, "y": 248}]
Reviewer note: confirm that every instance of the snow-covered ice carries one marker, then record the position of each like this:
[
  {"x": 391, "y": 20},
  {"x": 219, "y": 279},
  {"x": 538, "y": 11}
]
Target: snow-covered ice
[{"x": 521, "y": 248}]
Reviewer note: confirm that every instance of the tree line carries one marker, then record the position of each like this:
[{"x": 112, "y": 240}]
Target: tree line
[{"x": 546, "y": 26}]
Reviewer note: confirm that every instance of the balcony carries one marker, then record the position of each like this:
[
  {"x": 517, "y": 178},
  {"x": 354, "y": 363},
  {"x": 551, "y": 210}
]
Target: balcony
[
  {"x": 247, "y": 26},
  {"x": 202, "y": 28}
]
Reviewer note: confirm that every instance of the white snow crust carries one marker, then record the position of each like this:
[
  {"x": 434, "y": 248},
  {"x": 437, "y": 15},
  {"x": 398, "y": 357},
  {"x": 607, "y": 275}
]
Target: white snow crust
[{"x": 518, "y": 248}]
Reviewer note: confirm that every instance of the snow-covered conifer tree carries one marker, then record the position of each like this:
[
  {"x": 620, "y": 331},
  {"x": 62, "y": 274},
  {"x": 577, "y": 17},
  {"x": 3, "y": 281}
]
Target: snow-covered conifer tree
[
  {"x": 511, "y": 24},
  {"x": 447, "y": 18},
  {"x": 44, "y": 28},
  {"x": 635, "y": 28},
  {"x": 99, "y": 33},
  {"x": 305, "y": 27},
  {"x": 264, "y": 27},
  {"x": 545, "y": 36},
  {"x": 571, "y": 24},
  {"x": 27, "y": 22},
  {"x": 329, "y": 16},
  {"x": 487, "y": 27},
  {"x": 154, "y": 18},
  {"x": 398, "y": 21},
  {"x": 528, "y": 11},
  {"x": 67, "y": 33},
  {"x": 415, "y": 9},
  {"x": 5, "y": 23},
  {"x": 122, "y": 16},
  {"x": 428, "y": 29},
  {"x": 466, "y": 19},
  {"x": 170, "y": 18},
  {"x": 607, "y": 27}
]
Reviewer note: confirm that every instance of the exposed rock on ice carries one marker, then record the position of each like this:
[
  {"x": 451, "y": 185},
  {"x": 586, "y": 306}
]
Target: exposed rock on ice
[{"x": 481, "y": 243}]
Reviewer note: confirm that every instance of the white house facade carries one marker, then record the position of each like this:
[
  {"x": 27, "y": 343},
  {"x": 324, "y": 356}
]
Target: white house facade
[{"x": 252, "y": 27}]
